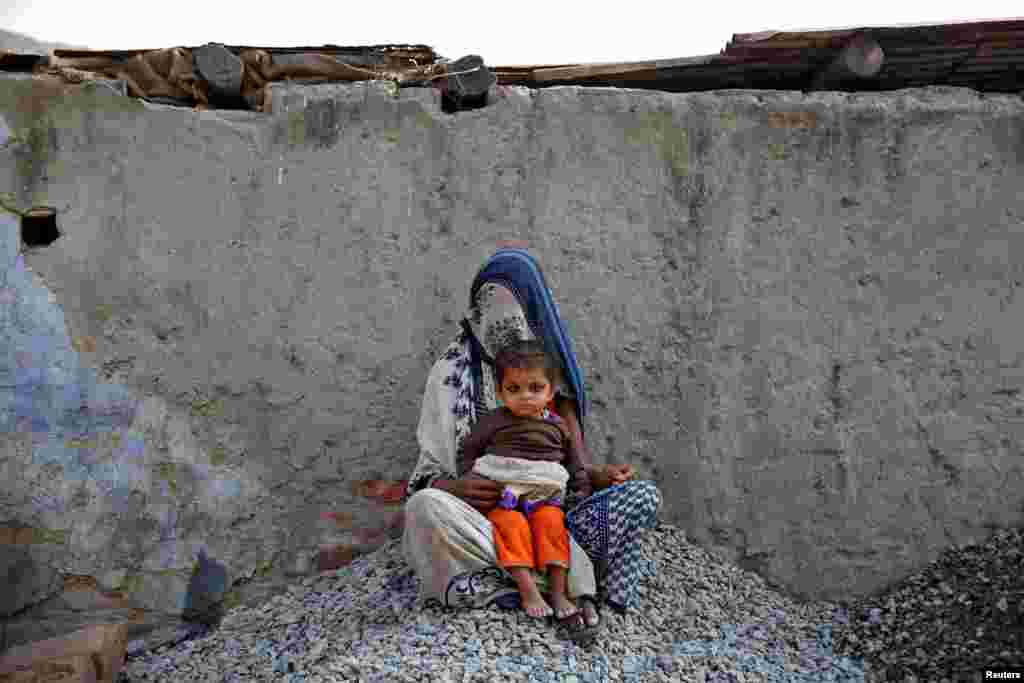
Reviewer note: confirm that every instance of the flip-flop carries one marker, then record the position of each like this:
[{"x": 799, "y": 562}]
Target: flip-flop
[
  {"x": 575, "y": 627},
  {"x": 586, "y": 599}
]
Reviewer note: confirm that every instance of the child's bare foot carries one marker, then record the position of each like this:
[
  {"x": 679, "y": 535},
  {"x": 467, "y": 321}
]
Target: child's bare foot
[
  {"x": 533, "y": 602},
  {"x": 536, "y": 607},
  {"x": 563, "y": 607}
]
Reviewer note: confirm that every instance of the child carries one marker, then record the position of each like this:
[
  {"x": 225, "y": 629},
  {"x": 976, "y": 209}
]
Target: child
[{"x": 530, "y": 450}]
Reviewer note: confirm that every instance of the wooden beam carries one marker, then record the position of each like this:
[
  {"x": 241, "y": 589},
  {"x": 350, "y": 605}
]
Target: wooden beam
[
  {"x": 861, "y": 58},
  {"x": 592, "y": 70}
]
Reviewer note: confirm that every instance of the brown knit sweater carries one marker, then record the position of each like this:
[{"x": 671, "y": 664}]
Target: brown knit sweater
[{"x": 504, "y": 434}]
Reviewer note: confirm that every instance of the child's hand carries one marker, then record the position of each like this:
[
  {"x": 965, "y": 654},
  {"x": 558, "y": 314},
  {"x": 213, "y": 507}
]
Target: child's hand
[
  {"x": 618, "y": 474},
  {"x": 508, "y": 500}
]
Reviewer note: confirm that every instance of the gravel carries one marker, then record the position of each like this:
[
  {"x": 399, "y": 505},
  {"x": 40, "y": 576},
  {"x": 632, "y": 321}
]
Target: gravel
[{"x": 701, "y": 619}]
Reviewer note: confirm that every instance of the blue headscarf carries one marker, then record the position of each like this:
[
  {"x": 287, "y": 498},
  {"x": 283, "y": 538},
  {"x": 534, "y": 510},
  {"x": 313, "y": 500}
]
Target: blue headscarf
[{"x": 520, "y": 273}]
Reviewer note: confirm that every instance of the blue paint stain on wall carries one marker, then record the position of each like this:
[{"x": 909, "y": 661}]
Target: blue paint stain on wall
[
  {"x": 44, "y": 390},
  {"x": 46, "y": 393}
]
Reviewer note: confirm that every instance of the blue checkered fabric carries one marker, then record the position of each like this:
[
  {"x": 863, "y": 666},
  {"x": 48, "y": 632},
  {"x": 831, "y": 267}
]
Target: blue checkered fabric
[{"x": 608, "y": 526}]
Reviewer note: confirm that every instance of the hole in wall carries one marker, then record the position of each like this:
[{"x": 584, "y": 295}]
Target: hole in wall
[
  {"x": 39, "y": 227},
  {"x": 452, "y": 102}
]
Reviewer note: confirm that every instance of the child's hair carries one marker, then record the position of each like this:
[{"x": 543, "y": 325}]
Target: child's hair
[{"x": 525, "y": 355}]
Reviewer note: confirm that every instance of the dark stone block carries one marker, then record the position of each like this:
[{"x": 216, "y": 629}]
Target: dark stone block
[
  {"x": 467, "y": 90},
  {"x": 221, "y": 68}
]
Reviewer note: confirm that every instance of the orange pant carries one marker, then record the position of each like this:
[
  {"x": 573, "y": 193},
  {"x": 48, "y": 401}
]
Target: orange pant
[{"x": 536, "y": 542}]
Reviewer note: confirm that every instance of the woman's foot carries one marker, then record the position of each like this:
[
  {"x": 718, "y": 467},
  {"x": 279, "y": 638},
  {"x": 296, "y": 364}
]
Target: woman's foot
[
  {"x": 572, "y": 623},
  {"x": 590, "y": 615}
]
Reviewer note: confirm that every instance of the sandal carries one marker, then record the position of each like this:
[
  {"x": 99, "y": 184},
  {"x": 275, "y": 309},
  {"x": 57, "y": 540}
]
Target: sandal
[
  {"x": 595, "y": 605},
  {"x": 575, "y": 627}
]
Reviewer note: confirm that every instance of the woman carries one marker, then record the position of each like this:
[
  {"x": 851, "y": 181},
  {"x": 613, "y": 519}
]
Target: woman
[{"x": 447, "y": 539}]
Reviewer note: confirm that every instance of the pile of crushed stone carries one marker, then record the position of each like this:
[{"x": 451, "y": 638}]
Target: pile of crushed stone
[{"x": 701, "y": 619}]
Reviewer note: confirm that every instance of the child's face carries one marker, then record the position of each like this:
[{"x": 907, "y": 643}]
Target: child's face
[{"x": 525, "y": 392}]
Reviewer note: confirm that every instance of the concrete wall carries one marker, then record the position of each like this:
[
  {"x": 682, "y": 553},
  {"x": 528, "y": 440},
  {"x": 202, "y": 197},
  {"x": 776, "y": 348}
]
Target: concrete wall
[{"x": 797, "y": 314}]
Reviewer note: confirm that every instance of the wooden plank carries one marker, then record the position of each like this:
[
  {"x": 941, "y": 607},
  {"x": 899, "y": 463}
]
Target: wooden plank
[
  {"x": 895, "y": 30},
  {"x": 801, "y": 37},
  {"x": 592, "y": 70},
  {"x": 762, "y": 54},
  {"x": 529, "y": 67},
  {"x": 780, "y": 59},
  {"x": 819, "y": 43},
  {"x": 743, "y": 69},
  {"x": 684, "y": 62}
]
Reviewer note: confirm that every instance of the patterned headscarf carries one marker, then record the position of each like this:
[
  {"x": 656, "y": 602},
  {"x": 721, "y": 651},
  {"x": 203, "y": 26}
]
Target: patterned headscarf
[
  {"x": 497, "y": 319},
  {"x": 504, "y": 292},
  {"x": 494, "y": 321}
]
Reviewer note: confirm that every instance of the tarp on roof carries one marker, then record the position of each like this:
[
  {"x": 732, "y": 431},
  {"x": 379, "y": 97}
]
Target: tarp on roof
[{"x": 172, "y": 73}]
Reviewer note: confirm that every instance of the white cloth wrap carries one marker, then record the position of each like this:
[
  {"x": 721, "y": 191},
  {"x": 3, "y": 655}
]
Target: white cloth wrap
[{"x": 528, "y": 479}]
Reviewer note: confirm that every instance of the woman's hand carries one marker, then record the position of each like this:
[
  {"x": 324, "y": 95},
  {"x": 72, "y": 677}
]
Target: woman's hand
[{"x": 482, "y": 494}]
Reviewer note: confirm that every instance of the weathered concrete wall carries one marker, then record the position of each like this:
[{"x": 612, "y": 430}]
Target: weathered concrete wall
[{"x": 797, "y": 314}]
